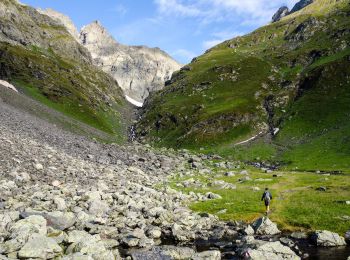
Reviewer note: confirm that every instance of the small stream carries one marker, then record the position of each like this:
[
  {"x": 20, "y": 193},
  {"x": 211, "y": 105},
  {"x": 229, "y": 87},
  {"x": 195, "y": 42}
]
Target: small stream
[{"x": 228, "y": 248}]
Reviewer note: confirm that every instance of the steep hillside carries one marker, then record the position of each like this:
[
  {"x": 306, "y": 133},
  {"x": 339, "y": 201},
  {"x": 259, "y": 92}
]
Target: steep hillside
[
  {"x": 280, "y": 93},
  {"x": 139, "y": 70},
  {"x": 40, "y": 56}
]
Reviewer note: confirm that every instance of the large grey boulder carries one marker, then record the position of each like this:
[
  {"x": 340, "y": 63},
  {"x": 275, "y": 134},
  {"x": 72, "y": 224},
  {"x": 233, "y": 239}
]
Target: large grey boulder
[
  {"x": 22, "y": 230},
  {"x": 264, "y": 226},
  {"x": 178, "y": 253},
  {"x": 98, "y": 207},
  {"x": 270, "y": 251},
  {"x": 40, "y": 246},
  {"x": 327, "y": 239},
  {"x": 60, "y": 220}
]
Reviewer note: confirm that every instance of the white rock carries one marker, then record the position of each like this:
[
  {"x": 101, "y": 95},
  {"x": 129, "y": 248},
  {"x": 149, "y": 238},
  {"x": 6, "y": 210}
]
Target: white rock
[
  {"x": 264, "y": 226},
  {"x": 38, "y": 166},
  {"x": 207, "y": 255},
  {"x": 271, "y": 251},
  {"x": 40, "y": 246},
  {"x": 327, "y": 239}
]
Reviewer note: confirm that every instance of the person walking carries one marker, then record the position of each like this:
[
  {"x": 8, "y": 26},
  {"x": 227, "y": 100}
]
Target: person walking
[{"x": 267, "y": 197}]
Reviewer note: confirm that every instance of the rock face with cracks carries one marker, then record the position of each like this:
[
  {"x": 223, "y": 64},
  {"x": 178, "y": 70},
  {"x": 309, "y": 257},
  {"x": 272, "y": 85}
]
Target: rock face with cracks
[{"x": 139, "y": 70}]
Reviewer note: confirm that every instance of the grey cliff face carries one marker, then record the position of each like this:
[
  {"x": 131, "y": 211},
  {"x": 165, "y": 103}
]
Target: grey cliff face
[
  {"x": 282, "y": 12},
  {"x": 25, "y": 26},
  {"x": 139, "y": 70},
  {"x": 300, "y": 5}
]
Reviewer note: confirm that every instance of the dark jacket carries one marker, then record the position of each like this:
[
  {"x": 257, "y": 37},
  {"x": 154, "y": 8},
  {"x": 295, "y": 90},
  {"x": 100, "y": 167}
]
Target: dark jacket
[{"x": 266, "y": 196}]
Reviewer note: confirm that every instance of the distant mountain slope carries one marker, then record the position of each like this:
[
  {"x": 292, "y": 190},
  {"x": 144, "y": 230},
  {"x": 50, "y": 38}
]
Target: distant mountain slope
[
  {"x": 61, "y": 18},
  {"x": 41, "y": 57},
  {"x": 287, "y": 84},
  {"x": 139, "y": 70}
]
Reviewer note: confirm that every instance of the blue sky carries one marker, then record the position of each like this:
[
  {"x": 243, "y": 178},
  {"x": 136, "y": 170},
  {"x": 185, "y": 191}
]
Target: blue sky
[{"x": 183, "y": 28}]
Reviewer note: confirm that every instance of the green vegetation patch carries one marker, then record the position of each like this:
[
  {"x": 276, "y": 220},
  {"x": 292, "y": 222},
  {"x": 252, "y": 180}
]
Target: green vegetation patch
[
  {"x": 78, "y": 90},
  {"x": 296, "y": 204}
]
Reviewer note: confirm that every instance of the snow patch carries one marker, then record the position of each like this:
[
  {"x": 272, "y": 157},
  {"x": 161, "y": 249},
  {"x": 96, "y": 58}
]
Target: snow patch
[
  {"x": 250, "y": 139},
  {"x": 133, "y": 101},
  {"x": 8, "y": 85}
]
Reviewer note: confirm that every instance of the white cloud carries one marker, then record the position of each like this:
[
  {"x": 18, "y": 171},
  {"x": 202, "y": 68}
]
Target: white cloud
[
  {"x": 219, "y": 37},
  {"x": 175, "y": 7},
  {"x": 210, "y": 43},
  {"x": 183, "y": 54},
  {"x": 255, "y": 12},
  {"x": 120, "y": 9}
]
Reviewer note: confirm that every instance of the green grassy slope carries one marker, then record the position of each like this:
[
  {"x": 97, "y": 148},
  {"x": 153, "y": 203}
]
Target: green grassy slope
[
  {"x": 292, "y": 75},
  {"x": 43, "y": 60}
]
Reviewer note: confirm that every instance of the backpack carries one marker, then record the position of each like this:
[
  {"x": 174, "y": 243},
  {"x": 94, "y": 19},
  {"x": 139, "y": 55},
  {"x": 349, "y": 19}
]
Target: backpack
[{"x": 267, "y": 196}]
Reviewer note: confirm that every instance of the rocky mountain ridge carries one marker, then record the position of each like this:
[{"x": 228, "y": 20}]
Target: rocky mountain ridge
[
  {"x": 139, "y": 70},
  {"x": 284, "y": 10},
  {"x": 41, "y": 58}
]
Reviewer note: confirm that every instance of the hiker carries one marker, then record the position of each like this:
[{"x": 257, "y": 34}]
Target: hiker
[{"x": 267, "y": 197}]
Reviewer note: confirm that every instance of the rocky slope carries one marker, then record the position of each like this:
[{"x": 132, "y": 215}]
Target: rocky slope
[
  {"x": 40, "y": 57},
  {"x": 63, "y": 19},
  {"x": 139, "y": 70},
  {"x": 280, "y": 93},
  {"x": 65, "y": 196}
]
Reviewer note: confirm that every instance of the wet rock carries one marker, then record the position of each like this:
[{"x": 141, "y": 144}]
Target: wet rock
[
  {"x": 180, "y": 234},
  {"x": 248, "y": 230},
  {"x": 40, "y": 246},
  {"x": 347, "y": 237},
  {"x": 130, "y": 241},
  {"x": 326, "y": 238},
  {"x": 287, "y": 242},
  {"x": 178, "y": 253},
  {"x": 264, "y": 226},
  {"x": 299, "y": 235},
  {"x": 270, "y": 251},
  {"x": 207, "y": 255},
  {"x": 154, "y": 232},
  {"x": 149, "y": 255}
]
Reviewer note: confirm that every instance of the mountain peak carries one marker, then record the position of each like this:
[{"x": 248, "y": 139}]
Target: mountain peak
[
  {"x": 284, "y": 10},
  {"x": 300, "y": 5},
  {"x": 281, "y": 12},
  {"x": 139, "y": 70},
  {"x": 61, "y": 18}
]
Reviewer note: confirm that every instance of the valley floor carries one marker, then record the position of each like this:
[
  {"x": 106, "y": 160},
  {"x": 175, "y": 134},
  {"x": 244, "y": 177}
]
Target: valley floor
[{"x": 65, "y": 194}]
